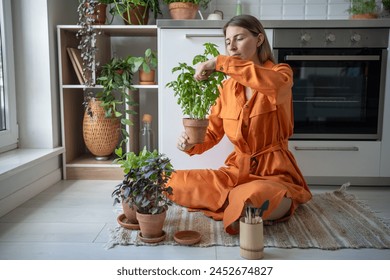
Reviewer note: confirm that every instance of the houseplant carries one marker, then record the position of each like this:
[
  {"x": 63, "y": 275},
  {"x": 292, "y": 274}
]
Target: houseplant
[
  {"x": 135, "y": 11},
  {"x": 146, "y": 65},
  {"x": 361, "y": 9},
  {"x": 145, "y": 189},
  {"x": 196, "y": 97},
  {"x": 116, "y": 79},
  {"x": 185, "y": 9}
]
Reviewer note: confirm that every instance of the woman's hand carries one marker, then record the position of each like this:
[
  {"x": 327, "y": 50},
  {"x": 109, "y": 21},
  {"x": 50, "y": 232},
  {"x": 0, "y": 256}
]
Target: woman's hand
[
  {"x": 182, "y": 143},
  {"x": 204, "y": 69}
]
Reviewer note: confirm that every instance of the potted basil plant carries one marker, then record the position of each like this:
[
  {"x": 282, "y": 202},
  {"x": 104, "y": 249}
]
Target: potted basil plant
[{"x": 196, "y": 97}]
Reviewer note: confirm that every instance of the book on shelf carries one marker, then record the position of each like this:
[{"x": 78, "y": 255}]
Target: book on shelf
[{"x": 75, "y": 58}]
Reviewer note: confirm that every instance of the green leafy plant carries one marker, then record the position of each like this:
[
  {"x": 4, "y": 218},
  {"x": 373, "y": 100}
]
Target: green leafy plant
[
  {"x": 202, "y": 3},
  {"x": 144, "y": 184},
  {"x": 116, "y": 77},
  {"x": 147, "y": 62},
  {"x": 386, "y": 4},
  {"x": 196, "y": 97},
  {"x": 362, "y": 7},
  {"x": 122, "y": 6}
]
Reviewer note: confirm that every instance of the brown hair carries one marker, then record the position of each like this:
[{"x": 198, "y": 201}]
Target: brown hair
[{"x": 254, "y": 26}]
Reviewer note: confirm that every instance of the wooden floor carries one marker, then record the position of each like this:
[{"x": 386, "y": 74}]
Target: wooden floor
[{"x": 70, "y": 221}]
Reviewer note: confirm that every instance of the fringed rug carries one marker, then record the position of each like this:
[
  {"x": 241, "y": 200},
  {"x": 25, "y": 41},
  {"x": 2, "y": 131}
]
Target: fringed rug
[{"x": 328, "y": 221}]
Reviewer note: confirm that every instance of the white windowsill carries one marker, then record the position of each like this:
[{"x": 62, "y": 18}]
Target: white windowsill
[{"x": 18, "y": 160}]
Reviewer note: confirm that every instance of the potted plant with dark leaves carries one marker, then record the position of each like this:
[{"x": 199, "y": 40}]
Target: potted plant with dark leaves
[
  {"x": 196, "y": 97},
  {"x": 144, "y": 189}
]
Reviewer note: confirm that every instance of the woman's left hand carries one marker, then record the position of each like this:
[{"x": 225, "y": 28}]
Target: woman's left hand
[{"x": 204, "y": 69}]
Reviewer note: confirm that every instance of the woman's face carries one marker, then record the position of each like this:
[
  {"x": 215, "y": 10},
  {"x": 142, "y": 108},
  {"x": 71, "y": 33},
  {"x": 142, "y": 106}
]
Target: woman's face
[{"x": 240, "y": 42}]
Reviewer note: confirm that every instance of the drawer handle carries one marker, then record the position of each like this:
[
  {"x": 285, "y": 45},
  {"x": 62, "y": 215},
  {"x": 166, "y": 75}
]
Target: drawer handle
[
  {"x": 203, "y": 35},
  {"x": 348, "y": 149}
]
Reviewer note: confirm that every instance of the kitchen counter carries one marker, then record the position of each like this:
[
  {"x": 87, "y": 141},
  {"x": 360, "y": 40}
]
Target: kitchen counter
[{"x": 345, "y": 23}]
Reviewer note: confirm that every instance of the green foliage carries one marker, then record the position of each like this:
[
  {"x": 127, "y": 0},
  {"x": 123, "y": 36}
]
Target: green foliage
[
  {"x": 362, "y": 7},
  {"x": 386, "y": 4},
  {"x": 116, "y": 77},
  {"x": 196, "y": 97},
  {"x": 147, "y": 62},
  {"x": 145, "y": 179},
  {"x": 121, "y": 6},
  {"x": 202, "y": 3}
]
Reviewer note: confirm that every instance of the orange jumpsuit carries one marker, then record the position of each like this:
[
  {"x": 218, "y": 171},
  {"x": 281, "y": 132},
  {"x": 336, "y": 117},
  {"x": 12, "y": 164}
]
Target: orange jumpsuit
[{"x": 261, "y": 167}]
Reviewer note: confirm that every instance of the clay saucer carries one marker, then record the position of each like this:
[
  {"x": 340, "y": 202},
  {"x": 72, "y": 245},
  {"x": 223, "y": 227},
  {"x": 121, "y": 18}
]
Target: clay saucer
[
  {"x": 187, "y": 237},
  {"x": 124, "y": 222},
  {"x": 151, "y": 240}
]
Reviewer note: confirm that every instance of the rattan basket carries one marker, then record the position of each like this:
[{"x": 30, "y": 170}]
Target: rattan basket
[{"x": 101, "y": 134}]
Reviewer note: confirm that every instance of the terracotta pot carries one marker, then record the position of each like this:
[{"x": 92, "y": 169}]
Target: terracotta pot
[
  {"x": 183, "y": 10},
  {"x": 195, "y": 129},
  {"x": 151, "y": 225},
  {"x": 101, "y": 134},
  {"x": 147, "y": 78},
  {"x": 130, "y": 213},
  {"x": 364, "y": 16},
  {"x": 137, "y": 15},
  {"x": 99, "y": 14}
]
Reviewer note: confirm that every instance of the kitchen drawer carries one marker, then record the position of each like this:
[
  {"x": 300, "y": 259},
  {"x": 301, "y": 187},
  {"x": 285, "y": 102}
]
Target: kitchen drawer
[{"x": 337, "y": 158}]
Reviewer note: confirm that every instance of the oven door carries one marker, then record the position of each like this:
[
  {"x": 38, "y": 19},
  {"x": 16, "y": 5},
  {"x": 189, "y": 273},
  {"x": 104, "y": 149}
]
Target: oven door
[{"x": 337, "y": 92}]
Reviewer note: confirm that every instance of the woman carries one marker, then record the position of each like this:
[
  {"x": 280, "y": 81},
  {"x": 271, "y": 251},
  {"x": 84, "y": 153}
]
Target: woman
[{"x": 254, "y": 110}]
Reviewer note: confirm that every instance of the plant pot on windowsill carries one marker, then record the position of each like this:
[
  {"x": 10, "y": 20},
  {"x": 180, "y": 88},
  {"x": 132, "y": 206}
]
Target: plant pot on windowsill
[{"x": 196, "y": 97}]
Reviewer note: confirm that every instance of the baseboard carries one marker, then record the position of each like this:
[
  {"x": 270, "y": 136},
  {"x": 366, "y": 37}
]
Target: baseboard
[{"x": 14, "y": 200}]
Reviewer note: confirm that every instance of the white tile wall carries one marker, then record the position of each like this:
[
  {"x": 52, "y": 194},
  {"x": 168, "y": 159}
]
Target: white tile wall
[{"x": 285, "y": 9}]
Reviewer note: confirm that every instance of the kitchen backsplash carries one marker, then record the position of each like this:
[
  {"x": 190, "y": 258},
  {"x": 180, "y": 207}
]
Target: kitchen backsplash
[{"x": 286, "y": 9}]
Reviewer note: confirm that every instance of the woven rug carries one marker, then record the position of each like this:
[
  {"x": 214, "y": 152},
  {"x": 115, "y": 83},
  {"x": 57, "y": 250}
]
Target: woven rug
[{"x": 328, "y": 221}]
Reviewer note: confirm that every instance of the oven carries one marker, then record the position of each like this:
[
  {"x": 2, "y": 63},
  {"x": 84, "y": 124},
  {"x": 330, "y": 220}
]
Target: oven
[{"x": 339, "y": 81}]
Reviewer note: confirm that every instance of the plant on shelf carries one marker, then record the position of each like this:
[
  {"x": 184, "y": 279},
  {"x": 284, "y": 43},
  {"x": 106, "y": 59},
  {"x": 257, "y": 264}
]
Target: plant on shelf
[
  {"x": 144, "y": 187},
  {"x": 386, "y": 4},
  {"x": 196, "y": 97},
  {"x": 146, "y": 65},
  {"x": 116, "y": 78},
  {"x": 363, "y": 9},
  {"x": 185, "y": 9},
  {"x": 135, "y": 11}
]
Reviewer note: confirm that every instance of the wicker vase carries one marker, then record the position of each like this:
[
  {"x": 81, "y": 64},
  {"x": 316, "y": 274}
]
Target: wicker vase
[{"x": 101, "y": 134}]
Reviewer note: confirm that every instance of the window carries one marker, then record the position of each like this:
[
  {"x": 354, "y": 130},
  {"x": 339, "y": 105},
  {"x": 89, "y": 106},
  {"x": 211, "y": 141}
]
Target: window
[{"x": 8, "y": 124}]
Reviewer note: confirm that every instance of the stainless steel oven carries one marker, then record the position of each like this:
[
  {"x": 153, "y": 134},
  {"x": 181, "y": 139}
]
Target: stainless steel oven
[{"x": 339, "y": 77}]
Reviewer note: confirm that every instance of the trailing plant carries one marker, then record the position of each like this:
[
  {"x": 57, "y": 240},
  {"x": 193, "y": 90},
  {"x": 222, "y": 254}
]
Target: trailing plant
[
  {"x": 116, "y": 78},
  {"x": 196, "y": 97},
  {"x": 122, "y": 6},
  {"x": 202, "y": 3},
  {"x": 147, "y": 62},
  {"x": 362, "y": 7},
  {"x": 144, "y": 184}
]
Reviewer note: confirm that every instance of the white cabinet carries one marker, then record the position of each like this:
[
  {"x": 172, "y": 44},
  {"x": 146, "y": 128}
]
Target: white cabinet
[
  {"x": 181, "y": 45},
  {"x": 337, "y": 158}
]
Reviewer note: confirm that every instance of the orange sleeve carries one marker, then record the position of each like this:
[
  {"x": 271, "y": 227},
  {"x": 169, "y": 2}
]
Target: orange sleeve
[{"x": 275, "y": 81}]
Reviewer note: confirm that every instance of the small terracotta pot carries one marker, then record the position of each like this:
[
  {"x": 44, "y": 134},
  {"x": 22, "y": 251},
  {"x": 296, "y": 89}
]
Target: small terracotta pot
[
  {"x": 183, "y": 10},
  {"x": 195, "y": 129},
  {"x": 151, "y": 225},
  {"x": 99, "y": 14},
  {"x": 130, "y": 213},
  {"x": 364, "y": 16},
  {"x": 147, "y": 78}
]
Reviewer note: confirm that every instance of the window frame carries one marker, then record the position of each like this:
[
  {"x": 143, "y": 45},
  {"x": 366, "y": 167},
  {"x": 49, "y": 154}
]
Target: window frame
[{"x": 9, "y": 136}]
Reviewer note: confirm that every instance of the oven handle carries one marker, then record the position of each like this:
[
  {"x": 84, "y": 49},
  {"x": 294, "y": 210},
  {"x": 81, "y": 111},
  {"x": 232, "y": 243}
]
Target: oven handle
[
  {"x": 347, "y": 149},
  {"x": 204, "y": 35},
  {"x": 332, "y": 57}
]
